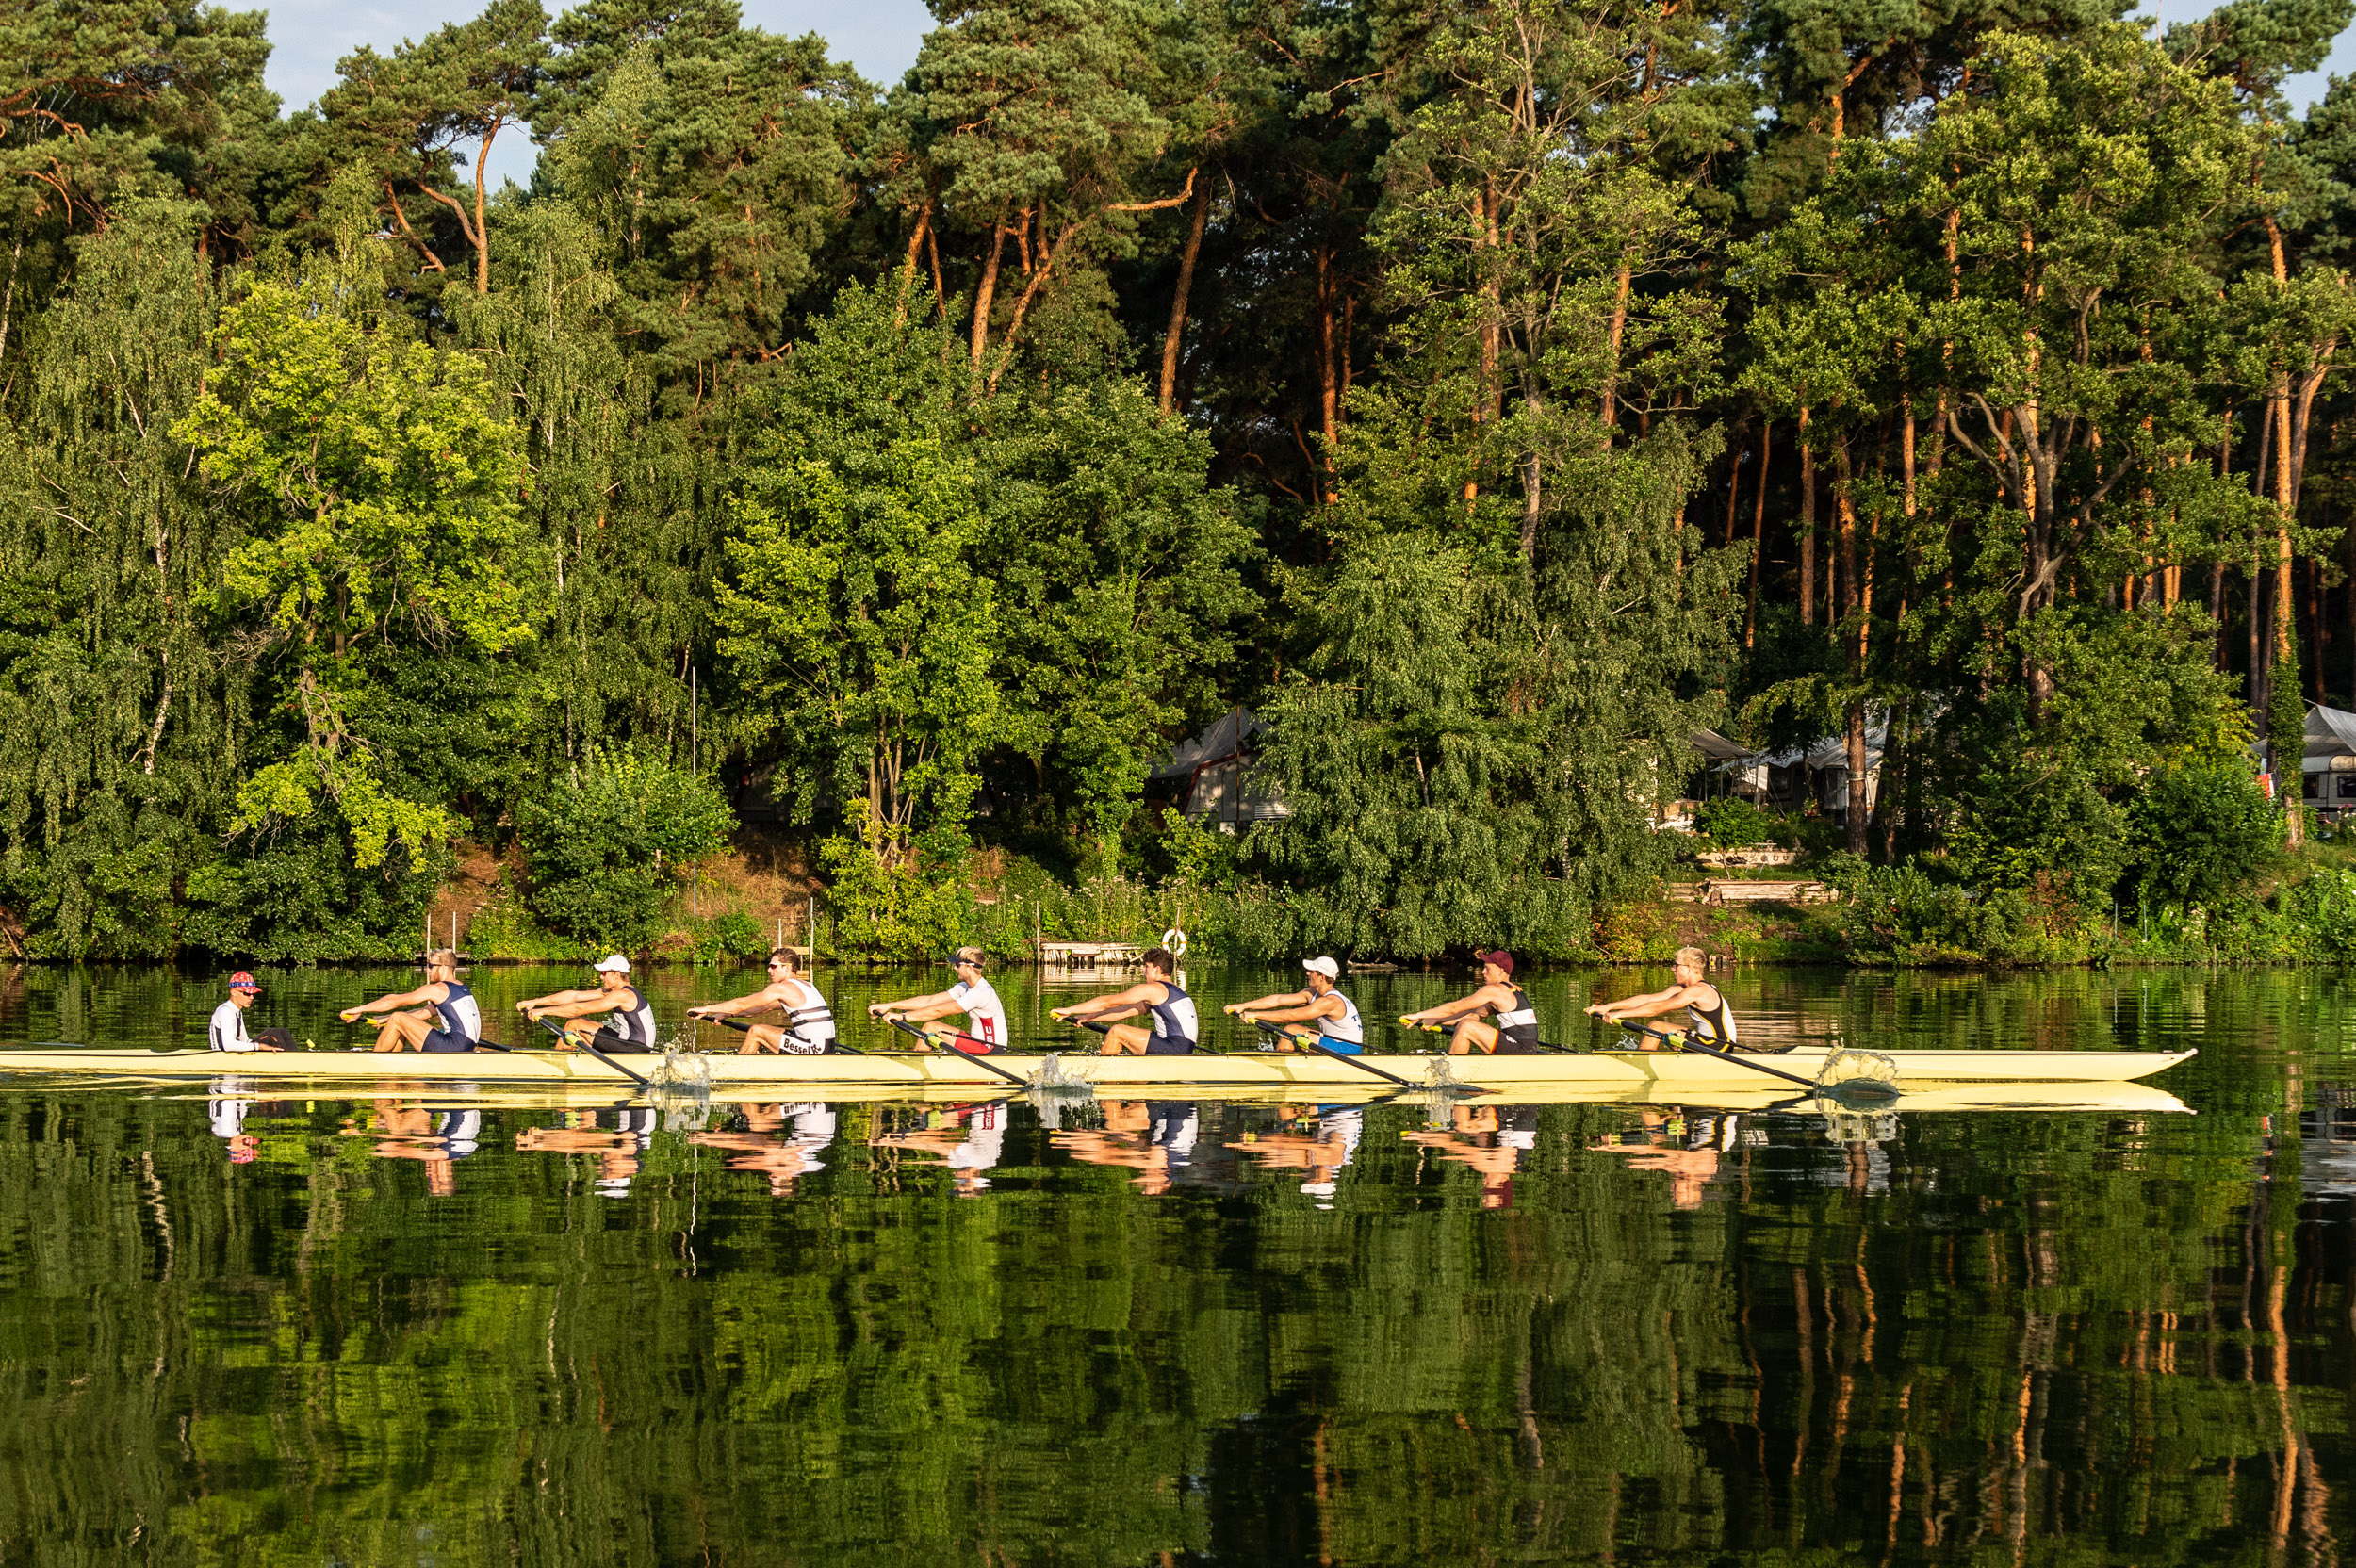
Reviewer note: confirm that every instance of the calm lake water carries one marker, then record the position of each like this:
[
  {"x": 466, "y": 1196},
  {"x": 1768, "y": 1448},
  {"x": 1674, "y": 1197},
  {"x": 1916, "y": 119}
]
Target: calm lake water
[{"x": 421, "y": 1328}]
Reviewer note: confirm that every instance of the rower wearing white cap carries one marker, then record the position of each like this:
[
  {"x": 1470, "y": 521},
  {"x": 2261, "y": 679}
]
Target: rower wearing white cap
[
  {"x": 1337, "y": 1026},
  {"x": 629, "y": 1024}
]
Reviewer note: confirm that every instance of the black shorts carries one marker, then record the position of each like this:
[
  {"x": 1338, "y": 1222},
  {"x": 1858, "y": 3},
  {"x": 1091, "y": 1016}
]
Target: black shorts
[
  {"x": 442, "y": 1039},
  {"x": 1508, "y": 1046},
  {"x": 1157, "y": 1045},
  {"x": 613, "y": 1045}
]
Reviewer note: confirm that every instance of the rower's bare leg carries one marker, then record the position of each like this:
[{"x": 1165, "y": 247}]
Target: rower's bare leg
[
  {"x": 1471, "y": 1035},
  {"x": 1123, "y": 1039},
  {"x": 403, "y": 1032},
  {"x": 760, "y": 1038}
]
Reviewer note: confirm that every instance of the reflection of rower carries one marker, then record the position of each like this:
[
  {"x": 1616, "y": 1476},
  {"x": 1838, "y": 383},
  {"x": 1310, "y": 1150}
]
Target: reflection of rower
[
  {"x": 808, "y": 1129},
  {"x": 1491, "y": 1140},
  {"x": 1323, "y": 1151},
  {"x": 979, "y": 1147},
  {"x": 226, "y": 1111},
  {"x": 437, "y": 1136},
  {"x": 1686, "y": 1149},
  {"x": 617, "y": 1137},
  {"x": 1336, "y": 1016},
  {"x": 1155, "y": 1138}
]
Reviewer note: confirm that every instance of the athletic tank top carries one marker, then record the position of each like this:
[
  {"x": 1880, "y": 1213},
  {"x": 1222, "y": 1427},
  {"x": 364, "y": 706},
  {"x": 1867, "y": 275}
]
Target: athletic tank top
[
  {"x": 1349, "y": 1029},
  {"x": 1712, "y": 1025},
  {"x": 1517, "y": 1025},
  {"x": 809, "y": 1028},
  {"x": 1175, "y": 1026},
  {"x": 459, "y": 1013},
  {"x": 632, "y": 1020}
]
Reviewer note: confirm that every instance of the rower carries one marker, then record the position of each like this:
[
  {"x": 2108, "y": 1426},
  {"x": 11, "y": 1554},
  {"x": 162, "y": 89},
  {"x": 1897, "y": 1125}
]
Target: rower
[
  {"x": 1496, "y": 1018},
  {"x": 808, "y": 1027},
  {"x": 1709, "y": 1020},
  {"x": 440, "y": 1015},
  {"x": 628, "y": 1026},
  {"x": 1338, "y": 1026},
  {"x": 1173, "y": 1029},
  {"x": 976, "y": 998}
]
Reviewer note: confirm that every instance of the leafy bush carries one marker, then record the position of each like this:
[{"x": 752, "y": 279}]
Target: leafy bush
[
  {"x": 1903, "y": 915},
  {"x": 608, "y": 842},
  {"x": 724, "y": 937},
  {"x": 2036, "y": 822},
  {"x": 2201, "y": 834},
  {"x": 1733, "y": 823}
]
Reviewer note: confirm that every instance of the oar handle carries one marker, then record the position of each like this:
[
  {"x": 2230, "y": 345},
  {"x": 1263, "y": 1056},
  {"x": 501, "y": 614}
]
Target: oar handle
[
  {"x": 636, "y": 1078},
  {"x": 1016, "y": 1078}
]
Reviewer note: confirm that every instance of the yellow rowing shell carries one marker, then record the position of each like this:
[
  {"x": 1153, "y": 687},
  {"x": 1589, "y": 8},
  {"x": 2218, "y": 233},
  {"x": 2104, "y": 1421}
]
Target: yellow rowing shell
[{"x": 1662, "y": 1072}]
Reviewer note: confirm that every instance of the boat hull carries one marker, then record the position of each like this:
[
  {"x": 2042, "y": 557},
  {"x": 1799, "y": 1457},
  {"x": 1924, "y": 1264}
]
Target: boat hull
[{"x": 1658, "y": 1074}]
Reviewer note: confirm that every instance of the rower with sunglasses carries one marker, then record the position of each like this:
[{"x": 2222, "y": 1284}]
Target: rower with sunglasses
[{"x": 808, "y": 1027}]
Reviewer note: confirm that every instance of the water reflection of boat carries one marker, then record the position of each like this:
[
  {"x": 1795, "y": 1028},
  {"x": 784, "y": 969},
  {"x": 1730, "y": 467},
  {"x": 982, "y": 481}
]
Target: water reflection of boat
[
  {"x": 782, "y": 1142},
  {"x": 1153, "y": 1138}
]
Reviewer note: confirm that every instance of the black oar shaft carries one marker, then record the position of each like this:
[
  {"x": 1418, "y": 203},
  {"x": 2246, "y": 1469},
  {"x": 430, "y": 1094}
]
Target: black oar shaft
[
  {"x": 1016, "y": 1078},
  {"x": 1307, "y": 1043},
  {"x": 635, "y": 1077},
  {"x": 739, "y": 1023},
  {"x": 1687, "y": 1044}
]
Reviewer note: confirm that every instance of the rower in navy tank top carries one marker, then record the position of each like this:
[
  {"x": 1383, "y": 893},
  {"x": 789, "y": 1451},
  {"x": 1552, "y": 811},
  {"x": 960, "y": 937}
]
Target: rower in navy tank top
[
  {"x": 1172, "y": 1027},
  {"x": 440, "y": 1015},
  {"x": 628, "y": 1017},
  {"x": 1497, "y": 1018}
]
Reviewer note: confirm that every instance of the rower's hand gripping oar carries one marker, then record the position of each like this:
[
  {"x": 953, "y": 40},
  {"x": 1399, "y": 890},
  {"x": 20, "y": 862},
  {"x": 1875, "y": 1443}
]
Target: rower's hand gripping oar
[
  {"x": 635, "y": 1078},
  {"x": 1438, "y": 1029},
  {"x": 1015, "y": 1078},
  {"x": 1306, "y": 1042}
]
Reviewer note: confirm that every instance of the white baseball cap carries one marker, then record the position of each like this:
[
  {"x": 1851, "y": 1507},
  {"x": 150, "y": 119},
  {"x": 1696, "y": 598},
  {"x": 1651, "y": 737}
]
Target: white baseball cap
[
  {"x": 614, "y": 963},
  {"x": 1326, "y": 966}
]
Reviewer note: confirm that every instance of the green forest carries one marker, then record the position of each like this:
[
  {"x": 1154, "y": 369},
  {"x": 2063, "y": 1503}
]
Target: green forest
[{"x": 1488, "y": 397}]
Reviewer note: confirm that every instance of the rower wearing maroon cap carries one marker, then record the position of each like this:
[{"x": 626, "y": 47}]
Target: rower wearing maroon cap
[
  {"x": 228, "y": 1032},
  {"x": 1497, "y": 1018}
]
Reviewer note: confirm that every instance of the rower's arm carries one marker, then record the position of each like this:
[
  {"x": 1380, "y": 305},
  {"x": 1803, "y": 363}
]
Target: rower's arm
[
  {"x": 393, "y": 999},
  {"x": 1451, "y": 1012},
  {"x": 1309, "y": 1014},
  {"x": 1277, "y": 999},
  {"x": 760, "y": 1000},
  {"x": 579, "y": 1005},
  {"x": 555, "y": 1000},
  {"x": 925, "y": 1010},
  {"x": 1098, "y": 1010},
  {"x": 1650, "y": 1005}
]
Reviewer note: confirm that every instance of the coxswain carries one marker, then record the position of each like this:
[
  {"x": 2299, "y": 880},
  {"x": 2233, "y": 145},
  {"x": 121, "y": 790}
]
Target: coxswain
[
  {"x": 1318, "y": 1012},
  {"x": 973, "y": 995},
  {"x": 227, "y": 1030},
  {"x": 440, "y": 1015},
  {"x": 1170, "y": 1026},
  {"x": 1709, "y": 1020},
  {"x": 628, "y": 1026},
  {"x": 808, "y": 1027},
  {"x": 1496, "y": 1018}
]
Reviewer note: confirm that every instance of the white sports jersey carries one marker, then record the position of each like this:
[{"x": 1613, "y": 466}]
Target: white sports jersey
[
  {"x": 985, "y": 1015},
  {"x": 227, "y": 1032}
]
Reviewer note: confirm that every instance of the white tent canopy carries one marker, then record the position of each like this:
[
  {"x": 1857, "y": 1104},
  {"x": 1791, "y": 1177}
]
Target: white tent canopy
[
  {"x": 1215, "y": 768},
  {"x": 2331, "y": 744}
]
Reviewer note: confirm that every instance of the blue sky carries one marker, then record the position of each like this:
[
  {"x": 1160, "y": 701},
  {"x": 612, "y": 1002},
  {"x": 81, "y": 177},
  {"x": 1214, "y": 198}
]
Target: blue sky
[{"x": 877, "y": 36}]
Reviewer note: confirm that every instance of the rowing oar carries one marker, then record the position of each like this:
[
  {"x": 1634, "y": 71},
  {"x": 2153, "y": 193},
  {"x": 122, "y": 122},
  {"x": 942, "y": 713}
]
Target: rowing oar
[
  {"x": 1542, "y": 1045},
  {"x": 1015, "y": 1078},
  {"x": 740, "y": 1024},
  {"x": 633, "y": 1077},
  {"x": 1305, "y": 1042},
  {"x": 1687, "y": 1044}
]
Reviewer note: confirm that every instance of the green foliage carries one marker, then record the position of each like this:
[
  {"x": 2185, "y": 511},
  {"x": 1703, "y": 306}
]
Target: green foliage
[
  {"x": 2201, "y": 834},
  {"x": 1730, "y": 822},
  {"x": 886, "y": 901},
  {"x": 609, "y": 840},
  {"x": 1903, "y": 915},
  {"x": 722, "y": 939},
  {"x": 2034, "y": 821}
]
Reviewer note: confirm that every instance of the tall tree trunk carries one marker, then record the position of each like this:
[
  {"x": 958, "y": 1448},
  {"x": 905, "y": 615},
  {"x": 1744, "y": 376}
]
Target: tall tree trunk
[
  {"x": 1807, "y": 526},
  {"x": 1329, "y": 378},
  {"x": 907, "y": 269},
  {"x": 1172, "y": 338},
  {"x": 1758, "y": 531},
  {"x": 1857, "y": 818},
  {"x": 2286, "y": 615},
  {"x": 1734, "y": 484},
  {"x": 988, "y": 288},
  {"x": 1621, "y": 285}
]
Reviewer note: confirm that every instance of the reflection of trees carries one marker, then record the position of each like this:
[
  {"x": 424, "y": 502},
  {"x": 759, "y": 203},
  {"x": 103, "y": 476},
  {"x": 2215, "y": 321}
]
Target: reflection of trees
[{"x": 2050, "y": 1337}]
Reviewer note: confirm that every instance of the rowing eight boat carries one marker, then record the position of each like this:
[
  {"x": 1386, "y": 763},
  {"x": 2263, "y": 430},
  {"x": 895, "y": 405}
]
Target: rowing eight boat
[{"x": 1660, "y": 1072}]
